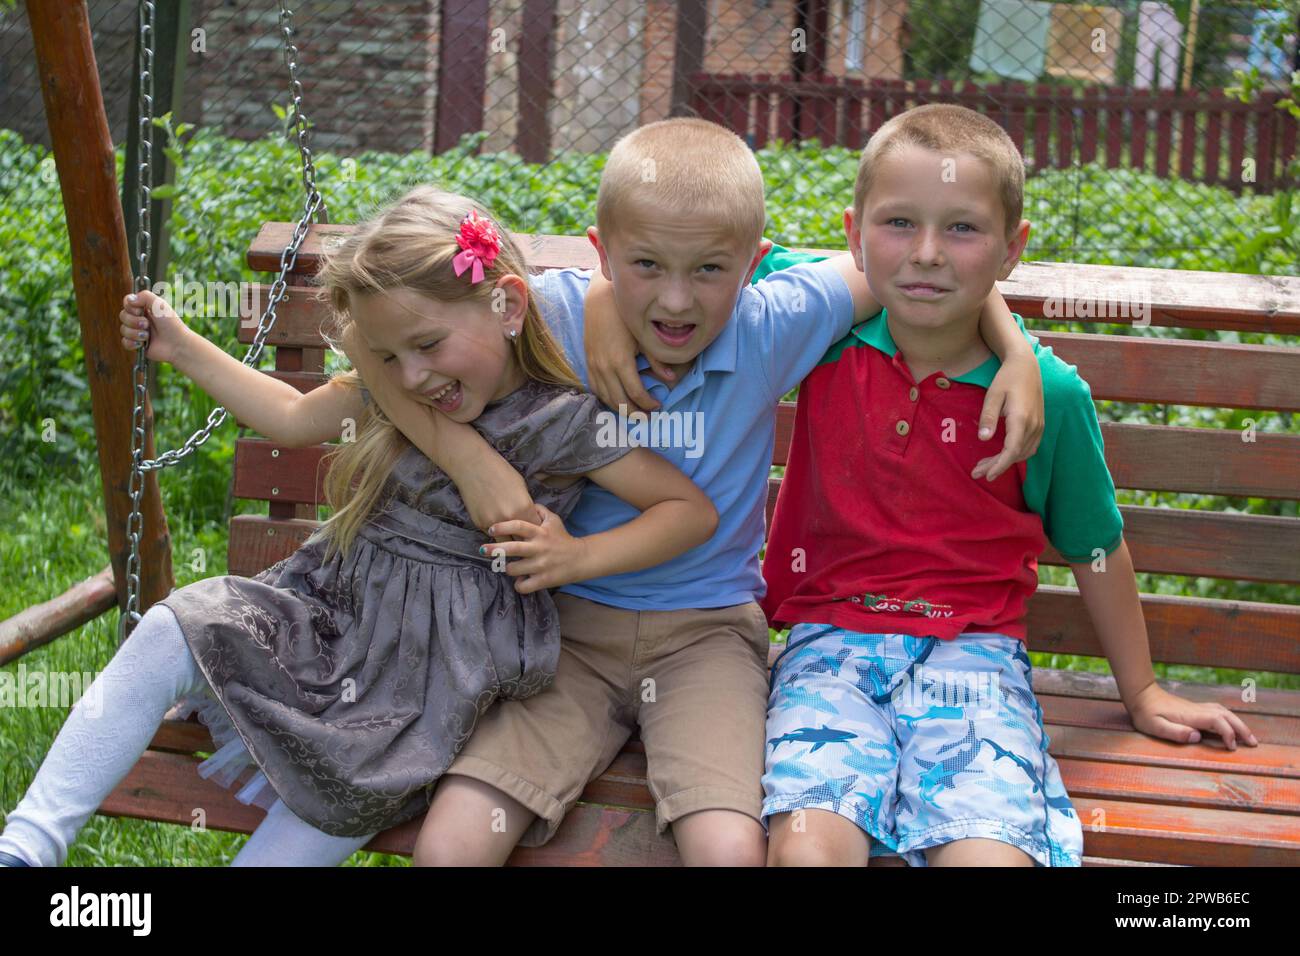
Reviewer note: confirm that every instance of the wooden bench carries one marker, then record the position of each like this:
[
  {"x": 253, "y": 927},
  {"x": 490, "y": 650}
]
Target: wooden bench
[{"x": 1140, "y": 800}]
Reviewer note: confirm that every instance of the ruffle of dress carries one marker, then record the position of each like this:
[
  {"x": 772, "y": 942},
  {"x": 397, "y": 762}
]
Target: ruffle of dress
[{"x": 231, "y": 758}]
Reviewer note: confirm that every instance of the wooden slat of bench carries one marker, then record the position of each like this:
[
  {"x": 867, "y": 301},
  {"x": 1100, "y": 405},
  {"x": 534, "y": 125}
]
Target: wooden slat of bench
[
  {"x": 298, "y": 317},
  {"x": 1267, "y": 700},
  {"x": 1189, "y": 788},
  {"x": 166, "y": 787},
  {"x": 1207, "y": 461},
  {"x": 1190, "y": 836},
  {"x": 1184, "y": 299},
  {"x": 1208, "y": 544},
  {"x": 257, "y": 542},
  {"x": 1129, "y": 368},
  {"x": 1247, "y": 635},
  {"x": 269, "y": 471},
  {"x": 1111, "y": 715},
  {"x": 1085, "y": 743}
]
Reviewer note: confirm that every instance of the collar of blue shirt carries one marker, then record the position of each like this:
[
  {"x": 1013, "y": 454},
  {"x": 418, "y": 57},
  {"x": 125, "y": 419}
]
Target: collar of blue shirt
[{"x": 718, "y": 356}]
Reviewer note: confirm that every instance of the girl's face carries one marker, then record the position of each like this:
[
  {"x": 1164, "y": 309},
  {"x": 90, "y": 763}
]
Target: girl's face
[{"x": 453, "y": 356}]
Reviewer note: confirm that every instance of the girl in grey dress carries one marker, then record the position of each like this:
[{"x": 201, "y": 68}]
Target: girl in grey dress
[{"x": 352, "y": 672}]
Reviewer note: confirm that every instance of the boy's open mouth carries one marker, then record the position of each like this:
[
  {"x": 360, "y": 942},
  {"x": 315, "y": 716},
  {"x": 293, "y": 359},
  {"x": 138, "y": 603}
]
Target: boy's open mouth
[{"x": 675, "y": 334}]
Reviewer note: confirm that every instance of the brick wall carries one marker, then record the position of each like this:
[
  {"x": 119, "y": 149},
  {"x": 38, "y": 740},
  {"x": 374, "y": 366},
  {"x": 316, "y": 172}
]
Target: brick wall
[
  {"x": 112, "y": 29},
  {"x": 369, "y": 70}
]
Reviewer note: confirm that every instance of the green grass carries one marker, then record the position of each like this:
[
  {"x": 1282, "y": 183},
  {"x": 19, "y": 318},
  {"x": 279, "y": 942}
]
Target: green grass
[{"x": 54, "y": 537}]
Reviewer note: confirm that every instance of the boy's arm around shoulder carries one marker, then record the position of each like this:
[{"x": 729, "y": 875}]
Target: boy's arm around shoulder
[
  {"x": 675, "y": 517},
  {"x": 491, "y": 489}
]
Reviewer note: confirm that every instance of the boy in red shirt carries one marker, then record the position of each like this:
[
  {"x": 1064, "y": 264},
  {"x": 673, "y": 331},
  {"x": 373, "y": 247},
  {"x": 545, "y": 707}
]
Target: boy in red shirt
[{"x": 901, "y": 716}]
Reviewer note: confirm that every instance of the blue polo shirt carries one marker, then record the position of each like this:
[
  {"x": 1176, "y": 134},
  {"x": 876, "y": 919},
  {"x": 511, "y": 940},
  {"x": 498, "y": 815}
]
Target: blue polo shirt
[{"x": 717, "y": 425}]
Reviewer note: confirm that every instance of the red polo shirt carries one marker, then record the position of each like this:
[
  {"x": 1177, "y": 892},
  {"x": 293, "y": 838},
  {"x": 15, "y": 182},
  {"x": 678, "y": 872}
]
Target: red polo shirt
[{"x": 880, "y": 528}]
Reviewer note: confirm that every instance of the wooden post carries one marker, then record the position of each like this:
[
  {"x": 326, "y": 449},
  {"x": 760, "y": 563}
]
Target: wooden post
[
  {"x": 688, "y": 57},
  {"x": 101, "y": 276},
  {"x": 462, "y": 71},
  {"x": 536, "y": 43},
  {"x": 171, "y": 41}
]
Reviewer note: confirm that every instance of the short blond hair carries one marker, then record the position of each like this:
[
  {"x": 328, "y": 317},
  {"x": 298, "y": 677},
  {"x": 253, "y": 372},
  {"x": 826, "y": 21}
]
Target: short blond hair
[
  {"x": 949, "y": 129},
  {"x": 685, "y": 166}
]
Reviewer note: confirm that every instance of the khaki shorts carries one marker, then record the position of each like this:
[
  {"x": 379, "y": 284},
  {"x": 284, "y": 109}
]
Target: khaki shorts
[{"x": 693, "y": 681}]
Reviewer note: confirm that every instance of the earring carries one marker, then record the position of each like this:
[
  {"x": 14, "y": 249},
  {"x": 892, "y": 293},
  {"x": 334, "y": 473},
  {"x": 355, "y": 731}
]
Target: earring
[{"x": 514, "y": 333}]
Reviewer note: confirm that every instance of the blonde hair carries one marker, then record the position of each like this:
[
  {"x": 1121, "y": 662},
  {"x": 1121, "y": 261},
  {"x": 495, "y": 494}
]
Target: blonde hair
[
  {"x": 410, "y": 245},
  {"x": 949, "y": 129},
  {"x": 688, "y": 167}
]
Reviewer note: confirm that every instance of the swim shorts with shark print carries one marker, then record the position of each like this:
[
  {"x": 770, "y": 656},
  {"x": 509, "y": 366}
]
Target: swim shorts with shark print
[{"x": 919, "y": 741}]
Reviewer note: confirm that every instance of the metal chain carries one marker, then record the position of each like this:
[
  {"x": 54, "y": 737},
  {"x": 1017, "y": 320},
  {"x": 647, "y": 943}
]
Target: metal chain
[{"x": 313, "y": 209}]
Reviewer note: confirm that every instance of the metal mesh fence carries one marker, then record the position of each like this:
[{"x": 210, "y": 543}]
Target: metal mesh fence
[{"x": 1135, "y": 152}]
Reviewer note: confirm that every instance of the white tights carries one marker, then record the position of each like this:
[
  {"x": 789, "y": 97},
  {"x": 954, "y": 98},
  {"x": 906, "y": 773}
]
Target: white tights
[{"x": 151, "y": 671}]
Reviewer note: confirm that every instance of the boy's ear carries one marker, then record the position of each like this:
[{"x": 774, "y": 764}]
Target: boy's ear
[
  {"x": 853, "y": 235},
  {"x": 764, "y": 247},
  {"x": 594, "y": 235},
  {"x": 1015, "y": 248}
]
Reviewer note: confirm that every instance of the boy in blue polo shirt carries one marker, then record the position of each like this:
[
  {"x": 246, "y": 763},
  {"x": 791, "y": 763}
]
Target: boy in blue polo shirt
[
  {"x": 902, "y": 716},
  {"x": 680, "y": 650}
]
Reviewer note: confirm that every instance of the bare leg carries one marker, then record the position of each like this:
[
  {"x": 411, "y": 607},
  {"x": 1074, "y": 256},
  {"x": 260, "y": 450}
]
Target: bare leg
[
  {"x": 815, "y": 838},
  {"x": 976, "y": 851},
  {"x": 720, "y": 838},
  {"x": 470, "y": 823}
]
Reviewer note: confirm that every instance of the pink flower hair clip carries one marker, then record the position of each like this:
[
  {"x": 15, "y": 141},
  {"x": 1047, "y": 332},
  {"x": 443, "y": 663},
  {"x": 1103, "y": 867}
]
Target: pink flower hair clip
[{"x": 479, "y": 242}]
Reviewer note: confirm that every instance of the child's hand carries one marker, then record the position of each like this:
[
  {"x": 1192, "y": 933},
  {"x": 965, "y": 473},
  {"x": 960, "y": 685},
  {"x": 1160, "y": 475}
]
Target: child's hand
[
  {"x": 611, "y": 353},
  {"x": 147, "y": 318},
  {"x": 1017, "y": 393},
  {"x": 1162, "y": 714},
  {"x": 550, "y": 556}
]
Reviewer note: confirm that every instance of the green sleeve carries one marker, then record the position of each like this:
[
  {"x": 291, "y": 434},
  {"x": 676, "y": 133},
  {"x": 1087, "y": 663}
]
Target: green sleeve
[
  {"x": 1066, "y": 481},
  {"x": 779, "y": 257}
]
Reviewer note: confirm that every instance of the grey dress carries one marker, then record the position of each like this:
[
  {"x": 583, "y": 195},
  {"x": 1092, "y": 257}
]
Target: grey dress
[{"x": 353, "y": 682}]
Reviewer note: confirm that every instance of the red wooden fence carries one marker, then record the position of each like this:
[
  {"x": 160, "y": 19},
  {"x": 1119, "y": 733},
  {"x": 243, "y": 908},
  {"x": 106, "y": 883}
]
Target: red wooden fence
[{"x": 1055, "y": 127}]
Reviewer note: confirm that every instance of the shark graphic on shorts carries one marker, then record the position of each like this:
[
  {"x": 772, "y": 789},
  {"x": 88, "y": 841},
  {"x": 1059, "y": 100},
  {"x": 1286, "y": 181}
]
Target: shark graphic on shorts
[
  {"x": 934, "y": 713},
  {"x": 1022, "y": 762},
  {"x": 803, "y": 697},
  {"x": 832, "y": 790},
  {"x": 939, "y": 775},
  {"x": 819, "y": 737}
]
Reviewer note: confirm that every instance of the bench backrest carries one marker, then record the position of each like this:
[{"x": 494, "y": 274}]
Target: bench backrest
[{"x": 1222, "y": 544}]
